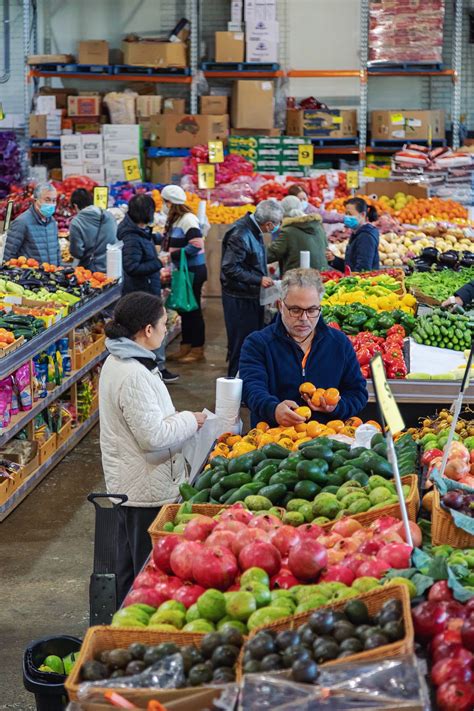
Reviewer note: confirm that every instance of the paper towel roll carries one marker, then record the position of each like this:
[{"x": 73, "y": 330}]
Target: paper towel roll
[
  {"x": 114, "y": 260},
  {"x": 304, "y": 260},
  {"x": 228, "y": 397}
]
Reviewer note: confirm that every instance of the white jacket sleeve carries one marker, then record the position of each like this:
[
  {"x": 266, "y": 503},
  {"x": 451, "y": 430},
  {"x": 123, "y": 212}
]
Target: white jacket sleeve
[{"x": 151, "y": 430}]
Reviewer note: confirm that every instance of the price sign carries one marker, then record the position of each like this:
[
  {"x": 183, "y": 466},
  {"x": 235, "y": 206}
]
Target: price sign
[
  {"x": 2, "y": 112},
  {"x": 398, "y": 119},
  {"x": 384, "y": 395},
  {"x": 305, "y": 154},
  {"x": 352, "y": 179},
  {"x": 101, "y": 197},
  {"x": 131, "y": 168},
  {"x": 8, "y": 216},
  {"x": 337, "y": 119},
  {"x": 206, "y": 176},
  {"x": 216, "y": 151}
]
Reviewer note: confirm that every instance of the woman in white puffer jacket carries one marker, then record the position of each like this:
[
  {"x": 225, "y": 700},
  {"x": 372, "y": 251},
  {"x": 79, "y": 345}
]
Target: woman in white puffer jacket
[{"x": 141, "y": 434}]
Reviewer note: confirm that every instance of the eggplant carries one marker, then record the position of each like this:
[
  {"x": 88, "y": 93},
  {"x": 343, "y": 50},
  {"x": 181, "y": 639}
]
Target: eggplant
[
  {"x": 430, "y": 254},
  {"x": 449, "y": 258},
  {"x": 421, "y": 265}
]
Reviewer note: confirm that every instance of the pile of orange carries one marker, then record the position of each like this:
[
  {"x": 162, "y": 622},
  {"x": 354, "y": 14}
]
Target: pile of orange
[
  {"x": 331, "y": 396},
  {"x": 432, "y": 208},
  {"x": 6, "y": 338},
  {"x": 339, "y": 205},
  {"x": 23, "y": 262},
  {"x": 233, "y": 445}
]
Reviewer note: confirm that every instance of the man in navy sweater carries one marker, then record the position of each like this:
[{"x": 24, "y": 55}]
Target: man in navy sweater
[{"x": 299, "y": 347}]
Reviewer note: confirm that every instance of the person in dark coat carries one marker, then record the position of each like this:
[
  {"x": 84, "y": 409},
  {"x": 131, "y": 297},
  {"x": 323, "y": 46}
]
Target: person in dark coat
[
  {"x": 463, "y": 296},
  {"x": 362, "y": 251},
  {"x": 34, "y": 233},
  {"x": 90, "y": 231},
  {"x": 244, "y": 272},
  {"x": 141, "y": 266},
  {"x": 300, "y": 347}
]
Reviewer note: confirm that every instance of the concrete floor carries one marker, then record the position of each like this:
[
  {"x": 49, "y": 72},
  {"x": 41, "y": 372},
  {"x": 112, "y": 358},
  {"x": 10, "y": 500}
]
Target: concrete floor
[{"x": 46, "y": 544}]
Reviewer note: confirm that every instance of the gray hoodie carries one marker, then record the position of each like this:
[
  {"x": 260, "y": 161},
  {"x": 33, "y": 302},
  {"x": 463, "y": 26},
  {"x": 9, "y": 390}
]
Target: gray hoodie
[
  {"x": 91, "y": 230},
  {"x": 126, "y": 348}
]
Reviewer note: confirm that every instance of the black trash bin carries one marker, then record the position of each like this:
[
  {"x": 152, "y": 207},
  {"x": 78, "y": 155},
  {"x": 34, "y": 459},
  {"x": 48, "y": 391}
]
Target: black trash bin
[{"x": 48, "y": 687}]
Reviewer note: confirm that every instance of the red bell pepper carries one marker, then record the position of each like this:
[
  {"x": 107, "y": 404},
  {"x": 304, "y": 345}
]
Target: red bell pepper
[{"x": 429, "y": 455}]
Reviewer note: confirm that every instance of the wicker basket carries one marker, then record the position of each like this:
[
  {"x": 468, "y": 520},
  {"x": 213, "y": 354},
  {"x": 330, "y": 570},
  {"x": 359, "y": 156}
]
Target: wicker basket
[
  {"x": 412, "y": 504},
  {"x": 374, "y": 601},
  {"x": 169, "y": 511},
  {"x": 99, "y": 639},
  {"x": 443, "y": 529}
]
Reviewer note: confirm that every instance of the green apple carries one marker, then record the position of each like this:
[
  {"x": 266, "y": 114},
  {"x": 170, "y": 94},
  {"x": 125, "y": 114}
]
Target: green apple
[
  {"x": 172, "y": 605},
  {"x": 169, "y": 617},
  {"x": 192, "y": 613}
]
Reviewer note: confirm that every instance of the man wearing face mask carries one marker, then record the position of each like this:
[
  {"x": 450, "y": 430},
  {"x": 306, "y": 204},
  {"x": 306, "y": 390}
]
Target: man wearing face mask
[
  {"x": 34, "y": 233},
  {"x": 362, "y": 251},
  {"x": 244, "y": 272},
  {"x": 299, "y": 347}
]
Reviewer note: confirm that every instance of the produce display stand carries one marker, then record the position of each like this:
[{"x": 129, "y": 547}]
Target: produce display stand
[
  {"x": 53, "y": 451},
  {"x": 420, "y": 391}
]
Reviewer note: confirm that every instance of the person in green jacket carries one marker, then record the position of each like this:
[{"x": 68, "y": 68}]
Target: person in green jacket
[{"x": 299, "y": 233}]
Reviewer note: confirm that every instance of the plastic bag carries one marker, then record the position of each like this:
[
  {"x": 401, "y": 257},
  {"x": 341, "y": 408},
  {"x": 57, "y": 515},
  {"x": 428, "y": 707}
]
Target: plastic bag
[
  {"x": 363, "y": 436},
  {"x": 121, "y": 106},
  {"x": 270, "y": 295}
]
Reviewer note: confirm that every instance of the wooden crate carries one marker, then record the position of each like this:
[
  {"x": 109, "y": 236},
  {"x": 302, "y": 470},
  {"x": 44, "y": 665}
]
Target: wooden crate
[
  {"x": 31, "y": 467},
  {"x": 47, "y": 448},
  {"x": 374, "y": 601},
  {"x": 168, "y": 513},
  {"x": 194, "y": 699},
  {"x": 8, "y": 486},
  {"x": 81, "y": 358},
  {"x": 95, "y": 403},
  {"x": 99, "y": 639},
  {"x": 64, "y": 433},
  {"x": 12, "y": 347},
  {"x": 443, "y": 529}
]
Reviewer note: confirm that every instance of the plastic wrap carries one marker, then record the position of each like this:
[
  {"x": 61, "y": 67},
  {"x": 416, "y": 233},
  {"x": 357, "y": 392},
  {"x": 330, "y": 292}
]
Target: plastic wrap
[
  {"x": 391, "y": 684},
  {"x": 406, "y": 31},
  {"x": 121, "y": 106}
]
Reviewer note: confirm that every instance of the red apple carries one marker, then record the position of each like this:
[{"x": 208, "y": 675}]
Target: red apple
[
  {"x": 397, "y": 555},
  {"x": 450, "y": 670},
  {"x": 440, "y": 591},
  {"x": 467, "y": 633},
  {"x": 455, "y": 696}
]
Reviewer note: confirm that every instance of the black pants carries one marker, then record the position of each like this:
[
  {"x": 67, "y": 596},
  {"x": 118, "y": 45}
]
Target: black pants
[
  {"x": 192, "y": 322},
  {"x": 133, "y": 544},
  {"x": 242, "y": 317}
]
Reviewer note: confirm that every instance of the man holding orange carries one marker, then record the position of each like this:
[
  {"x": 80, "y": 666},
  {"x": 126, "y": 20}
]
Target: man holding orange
[{"x": 299, "y": 360}]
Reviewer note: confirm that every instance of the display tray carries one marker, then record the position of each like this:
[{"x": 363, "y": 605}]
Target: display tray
[
  {"x": 4, "y": 352},
  {"x": 81, "y": 358},
  {"x": 8, "y": 486},
  {"x": 169, "y": 511},
  {"x": 421, "y": 392}
]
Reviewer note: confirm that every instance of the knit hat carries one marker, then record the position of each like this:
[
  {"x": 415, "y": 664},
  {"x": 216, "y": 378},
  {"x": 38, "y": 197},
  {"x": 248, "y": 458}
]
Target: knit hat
[
  {"x": 292, "y": 206},
  {"x": 174, "y": 194}
]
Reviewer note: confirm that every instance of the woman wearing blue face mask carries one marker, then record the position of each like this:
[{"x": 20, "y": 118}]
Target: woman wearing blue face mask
[
  {"x": 34, "y": 233},
  {"x": 362, "y": 252}
]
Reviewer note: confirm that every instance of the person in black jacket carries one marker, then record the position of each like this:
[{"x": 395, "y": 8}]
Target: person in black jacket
[
  {"x": 141, "y": 265},
  {"x": 362, "y": 251},
  {"x": 463, "y": 297},
  {"x": 243, "y": 273}
]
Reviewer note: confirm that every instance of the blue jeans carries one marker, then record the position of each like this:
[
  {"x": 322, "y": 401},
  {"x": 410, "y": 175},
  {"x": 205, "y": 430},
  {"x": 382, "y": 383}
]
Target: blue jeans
[{"x": 160, "y": 354}]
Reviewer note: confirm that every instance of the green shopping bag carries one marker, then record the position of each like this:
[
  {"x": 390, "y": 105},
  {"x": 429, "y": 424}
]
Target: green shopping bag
[{"x": 181, "y": 297}]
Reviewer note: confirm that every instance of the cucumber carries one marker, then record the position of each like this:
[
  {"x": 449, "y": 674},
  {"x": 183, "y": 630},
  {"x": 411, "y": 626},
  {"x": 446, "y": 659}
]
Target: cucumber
[{"x": 202, "y": 497}]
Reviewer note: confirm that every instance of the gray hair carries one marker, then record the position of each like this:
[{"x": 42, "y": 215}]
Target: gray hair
[
  {"x": 41, "y": 188},
  {"x": 269, "y": 211},
  {"x": 302, "y": 279}
]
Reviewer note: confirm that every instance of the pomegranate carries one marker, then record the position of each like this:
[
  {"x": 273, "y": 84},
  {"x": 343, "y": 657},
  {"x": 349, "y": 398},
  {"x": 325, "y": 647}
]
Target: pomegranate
[
  {"x": 162, "y": 551},
  {"x": 339, "y": 574},
  {"x": 145, "y": 596},
  {"x": 266, "y": 522},
  {"x": 329, "y": 540},
  {"x": 168, "y": 587},
  {"x": 383, "y": 523},
  {"x": 307, "y": 559},
  {"x": 354, "y": 561},
  {"x": 346, "y": 546},
  {"x": 440, "y": 591},
  {"x": 221, "y": 538},
  {"x": 188, "y": 594},
  {"x": 310, "y": 530},
  {"x": 229, "y": 524},
  {"x": 237, "y": 513},
  {"x": 415, "y": 531},
  {"x": 370, "y": 547},
  {"x": 148, "y": 579},
  {"x": 346, "y": 527},
  {"x": 372, "y": 569},
  {"x": 182, "y": 558},
  {"x": 260, "y": 555},
  {"x": 250, "y": 535},
  {"x": 214, "y": 567},
  {"x": 397, "y": 555},
  {"x": 199, "y": 528},
  {"x": 284, "y": 580},
  {"x": 283, "y": 538}
]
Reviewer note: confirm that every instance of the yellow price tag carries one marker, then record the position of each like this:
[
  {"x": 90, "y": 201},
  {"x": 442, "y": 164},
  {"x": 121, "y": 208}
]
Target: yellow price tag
[
  {"x": 2, "y": 112},
  {"x": 131, "y": 168},
  {"x": 101, "y": 197},
  {"x": 384, "y": 396},
  {"x": 352, "y": 179},
  {"x": 397, "y": 118},
  {"x": 206, "y": 176},
  {"x": 337, "y": 119},
  {"x": 305, "y": 154},
  {"x": 216, "y": 151}
]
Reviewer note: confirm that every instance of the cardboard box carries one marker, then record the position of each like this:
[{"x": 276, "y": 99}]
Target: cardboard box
[
  {"x": 255, "y": 10},
  {"x": 83, "y": 106},
  {"x": 261, "y": 50},
  {"x": 121, "y": 132},
  {"x": 252, "y": 104},
  {"x": 92, "y": 149},
  {"x": 49, "y": 59},
  {"x": 335, "y": 123},
  {"x": 148, "y": 106},
  {"x": 83, "y": 127},
  {"x": 45, "y": 104},
  {"x": 214, "y": 105},
  {"x": 236, "y": 10},
  {"x": 267, "y": 30},
  {"x": 185, "y": 131},
  {"x": 230, "y": 47},
  {"x": 145, "y": 124},
  {"x": 70, "y": 170},
  {"x": 60, "y": 94},
  {"x": 391, "y": 187},
  {"x": 95, "y": 172},
  {"x": 71, "y": 150},
  {"x": 166, "y": 170},
  {"x": 248, "y": 132},
  {"x": 93, "y": 52},
  {"x": 403, "y": 124},
  {"x": 174, "y": 106},
  {"x": 115, "y": 163},
  {"x": 112, "y": 148},
  {"x": 38, "y": 126},
  {"x": 154, "y": 53}
]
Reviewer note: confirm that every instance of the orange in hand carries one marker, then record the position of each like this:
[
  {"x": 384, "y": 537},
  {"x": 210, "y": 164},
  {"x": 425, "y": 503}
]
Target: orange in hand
[
  {"x": 332, "y": 396},
  {"x": 303, "y": 411},
  {"x": 307, "y": 389}
]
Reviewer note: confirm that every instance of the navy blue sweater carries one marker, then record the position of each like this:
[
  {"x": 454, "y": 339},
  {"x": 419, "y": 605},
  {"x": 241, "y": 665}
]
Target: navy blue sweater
[
  {"x": 362, "y": 251},
  {"x": 271, "y": 370},
  {"x": 141, "y": 265}
]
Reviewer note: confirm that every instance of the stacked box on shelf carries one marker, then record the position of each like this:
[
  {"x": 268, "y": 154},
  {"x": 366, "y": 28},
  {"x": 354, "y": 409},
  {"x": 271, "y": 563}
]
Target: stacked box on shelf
[
  {"x": 269, "y": 154},
  {"x": 121, "y": 143},
  {"x": 316, "y": 123},
  {"x": 261, "y": 31}
]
